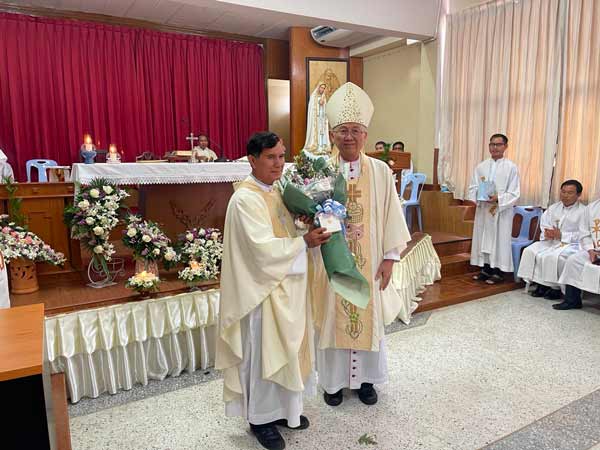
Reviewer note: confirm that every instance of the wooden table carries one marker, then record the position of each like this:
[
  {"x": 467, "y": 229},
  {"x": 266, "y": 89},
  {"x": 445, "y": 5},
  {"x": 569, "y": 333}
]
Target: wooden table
[{"x": 25, "y": 387}]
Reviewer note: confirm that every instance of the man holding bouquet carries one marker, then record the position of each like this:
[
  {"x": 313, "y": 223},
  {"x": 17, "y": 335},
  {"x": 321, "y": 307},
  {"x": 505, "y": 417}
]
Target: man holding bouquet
[
  {"x": 350, "y": 340},
  {"x": 264, "y": 331}
]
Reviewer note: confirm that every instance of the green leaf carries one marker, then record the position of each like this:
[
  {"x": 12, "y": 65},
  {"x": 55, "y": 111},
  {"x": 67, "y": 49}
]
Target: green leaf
[{"x": 367, "y": 439}]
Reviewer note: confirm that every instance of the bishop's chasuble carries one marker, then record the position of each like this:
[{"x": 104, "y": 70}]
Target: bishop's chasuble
[
  {"x": 579, "y": 270},
  {"x": 350, "y": 340},
  {"x": 263, "y": 344},
  {"x": 492, "y": 233},
  {"x": 543, "y": 262}
]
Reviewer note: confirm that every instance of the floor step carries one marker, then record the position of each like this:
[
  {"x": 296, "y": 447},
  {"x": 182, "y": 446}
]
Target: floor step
[
  {"x": 457, "y": 264},
  {"x": 462, "y": 288},
  {"x": 452, "y": 246}
]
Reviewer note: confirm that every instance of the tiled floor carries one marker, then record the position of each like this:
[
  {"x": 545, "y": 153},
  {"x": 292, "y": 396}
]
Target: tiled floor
[{"x": 507, "y": 370}]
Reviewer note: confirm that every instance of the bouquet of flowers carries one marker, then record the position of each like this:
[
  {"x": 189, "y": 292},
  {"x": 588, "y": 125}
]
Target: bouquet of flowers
[
  {"x": 202, "y": 249},
  {"x": 17, "y": 242},
  {"x": 148, "y": 242},
  {"x": 94, "y": 213},
  {"x": 143, "y": 282},
  {"x": 314, "y": 187}
]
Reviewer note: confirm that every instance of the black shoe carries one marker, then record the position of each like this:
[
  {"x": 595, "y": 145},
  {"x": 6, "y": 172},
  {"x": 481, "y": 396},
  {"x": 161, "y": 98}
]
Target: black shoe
[
  {"x": 481, "y": 276},
  {"x": 268, "y": 436},
  {"x": 553, "y": 294},
  {"x": 564, "y": 306},
  {"x": 304, "y": 423},
  {"x": 367, "y": 394},
  {"x": 540, "y": 291},
  {"x": 495, "y": 279},
  {"x": 334, "y": 399}
]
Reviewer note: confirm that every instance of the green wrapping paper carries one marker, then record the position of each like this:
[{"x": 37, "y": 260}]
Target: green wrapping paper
[{"x": 344, "y": 277}]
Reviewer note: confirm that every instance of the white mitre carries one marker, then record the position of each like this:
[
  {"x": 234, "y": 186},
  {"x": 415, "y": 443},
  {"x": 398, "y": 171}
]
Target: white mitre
[{"x": 349, "y": 103}]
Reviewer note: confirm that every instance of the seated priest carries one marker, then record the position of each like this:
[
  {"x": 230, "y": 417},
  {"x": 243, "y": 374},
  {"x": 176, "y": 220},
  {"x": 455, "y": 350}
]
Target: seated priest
[
  {"x": 201, "y": 153},
  {"x": 582, "y": 270},
  {"x": 398, "y": 146},
  {"x": 265, "y": 328},
  {"x": 5, "y": 168},
  {"x": 379, "y": 146},
  {"x": 543, "y": 262}
]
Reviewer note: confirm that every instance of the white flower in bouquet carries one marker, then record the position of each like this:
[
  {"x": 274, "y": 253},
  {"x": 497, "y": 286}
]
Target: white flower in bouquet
[
  {"x": 98, "y": 231},
  {"x": 189, "y": 237},
  {"x": 107, "y": 190},
  {"x": 94, "y": 193},
  {"x": 131, "y": 232},
  {"x": 209, "y": 243},
  {"x": 83, "y": 205},
  {"x": 89, "y": 220},
  {"x": 146, "y": 238},
  {"x": 170, "y": 255},
  {"x": 214, "y": 236},
  {"x": 156, "y": 251},
  {"x": 98, "y": 249}
]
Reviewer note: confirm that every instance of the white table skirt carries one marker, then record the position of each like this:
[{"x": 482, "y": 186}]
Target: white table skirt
[
  {"x": 111, "y": 349},
  {"x": 161, "y": 173}
]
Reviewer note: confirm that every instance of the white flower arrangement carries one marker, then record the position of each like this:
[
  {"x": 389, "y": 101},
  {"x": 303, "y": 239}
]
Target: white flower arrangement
[
  {"x": 149, "y": 242},
  {"x": 143, "y": 282},
  {"x": 16, "y": 242},
  {"x": 95, "y": 212},
  {"x": 202, "y": 250}
]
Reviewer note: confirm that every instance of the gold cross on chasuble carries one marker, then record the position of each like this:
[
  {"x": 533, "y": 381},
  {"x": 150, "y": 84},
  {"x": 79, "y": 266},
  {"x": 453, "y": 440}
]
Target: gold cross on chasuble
[{"x": 596, "y": 233}]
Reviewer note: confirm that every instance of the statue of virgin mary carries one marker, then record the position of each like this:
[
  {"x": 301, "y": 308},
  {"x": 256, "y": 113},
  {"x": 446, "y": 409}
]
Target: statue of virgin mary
[{"x": 317, "y": 126}]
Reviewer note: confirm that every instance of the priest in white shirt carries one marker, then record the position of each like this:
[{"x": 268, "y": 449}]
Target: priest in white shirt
[
  {"x": 265, "y": 327},
  {"x": 5, "y": 168},
  {"x": 201, "y": 153},
  {"x": 582, "y": 270},
  {"x": 350, "y": 340},
  {"x": 495, "y": 187},
  {"x": 543, "y": 262}
]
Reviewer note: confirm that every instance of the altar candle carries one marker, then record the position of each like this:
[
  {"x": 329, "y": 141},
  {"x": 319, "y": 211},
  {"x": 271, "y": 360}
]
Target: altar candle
[
  {"x": 112, "y": 149},
  {"x": 87, "y": 142}
]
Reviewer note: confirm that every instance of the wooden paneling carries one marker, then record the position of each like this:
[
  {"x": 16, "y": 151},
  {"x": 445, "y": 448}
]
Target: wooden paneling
[
  {"x": 302, "y": 46},
  {"x": 442, "y": 213},
  {"x": 21, "y": 341},
  {"x": 43, "y": 205},
  {"x": 277, "y": 55},
  {"x": 61, "y": 412}
]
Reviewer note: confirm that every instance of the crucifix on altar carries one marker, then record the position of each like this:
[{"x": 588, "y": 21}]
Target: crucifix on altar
[{"x": 191, "y": 138}]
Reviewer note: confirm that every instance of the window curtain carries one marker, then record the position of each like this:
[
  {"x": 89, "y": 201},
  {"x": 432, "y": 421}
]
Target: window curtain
[
  {"x": 579, "y": 144},
  {"x": 139, "y": 89},
  {"x": 501, "y": 74}
]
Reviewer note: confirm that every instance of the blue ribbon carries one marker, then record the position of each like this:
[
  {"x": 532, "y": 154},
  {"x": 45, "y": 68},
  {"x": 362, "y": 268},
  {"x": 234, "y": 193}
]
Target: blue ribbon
[{"x": 331, "y": 206}]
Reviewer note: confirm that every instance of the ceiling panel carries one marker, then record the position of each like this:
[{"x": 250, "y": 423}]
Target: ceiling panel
[
  {"x": 195, "y": 16},
  {"x": 153, "y": 10}
]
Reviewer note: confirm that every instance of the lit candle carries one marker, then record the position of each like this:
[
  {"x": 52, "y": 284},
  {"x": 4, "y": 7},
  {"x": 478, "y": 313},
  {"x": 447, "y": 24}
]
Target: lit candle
[
  {"x": 112, "y": 149},
  {"x": 87, "y": 142}
]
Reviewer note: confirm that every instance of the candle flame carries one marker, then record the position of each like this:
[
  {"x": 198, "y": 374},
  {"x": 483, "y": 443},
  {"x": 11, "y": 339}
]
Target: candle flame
[{"x": 87, "y": 139}]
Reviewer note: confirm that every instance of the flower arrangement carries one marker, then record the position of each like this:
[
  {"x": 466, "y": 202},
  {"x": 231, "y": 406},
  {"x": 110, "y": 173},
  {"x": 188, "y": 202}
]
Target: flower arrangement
[
  {"x": 16, "y": 242},
  {"x": 148, "y": 242},
  {"x": 143, "y": 282},
  {"x": 202, "y": 250},
  {"x": 94, "y": 213}
]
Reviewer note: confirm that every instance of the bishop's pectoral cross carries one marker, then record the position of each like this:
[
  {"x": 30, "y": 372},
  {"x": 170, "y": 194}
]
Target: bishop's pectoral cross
[
  {"x": 191, "y": 138},
  {"x": 596, "y": 233}
]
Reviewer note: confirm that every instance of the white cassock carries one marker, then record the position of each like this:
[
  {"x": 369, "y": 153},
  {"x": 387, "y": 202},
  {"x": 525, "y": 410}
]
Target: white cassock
[
  {"x": 5, "y": 168},
  {"x": 543, "y": 262},
  {"x": 492, "y": 233},
  {"x": 337, "y": 367},
  {"x": 265, "y": 330},
  {"x": 579, "y": 270},
  {"x": 4, "y": 297},
  {"x": 203, "y": 154}
]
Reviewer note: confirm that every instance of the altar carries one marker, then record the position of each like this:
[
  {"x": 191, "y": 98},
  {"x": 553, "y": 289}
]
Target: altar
[{"x": 179, "y": 196}]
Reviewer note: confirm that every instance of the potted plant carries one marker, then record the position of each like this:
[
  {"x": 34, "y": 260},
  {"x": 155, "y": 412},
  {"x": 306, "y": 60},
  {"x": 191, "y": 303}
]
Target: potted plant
[
  {"x": 202, "y": 250},
  {"x": 144, "y": 282}
]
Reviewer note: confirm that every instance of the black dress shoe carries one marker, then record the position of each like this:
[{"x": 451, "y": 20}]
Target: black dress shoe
[
  {"x": 304, "y": 423},
  {"x": 367, "y": 394},
  {"x": 268, "y": 436},
  {"x": 334, "y": 399},
  {"x": 553, "y": 294},
  {"x": 564, "y": 306},
  {"x": 540, "y": 291}
]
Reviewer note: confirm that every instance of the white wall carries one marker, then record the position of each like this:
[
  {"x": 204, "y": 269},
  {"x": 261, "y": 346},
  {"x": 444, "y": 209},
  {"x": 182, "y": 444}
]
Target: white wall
[{"x": 401, "y": 84}]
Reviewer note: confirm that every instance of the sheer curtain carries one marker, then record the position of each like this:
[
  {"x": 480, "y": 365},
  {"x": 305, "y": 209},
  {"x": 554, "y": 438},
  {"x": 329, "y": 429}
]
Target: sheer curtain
[
  {"x": 579, "y": 144},
  {"x": 501, "y": 74}
]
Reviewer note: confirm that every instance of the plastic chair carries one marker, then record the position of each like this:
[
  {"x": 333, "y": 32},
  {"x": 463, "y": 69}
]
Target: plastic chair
[
  {"x": 417, "y": 180},
  {"x": 528, "y": 213},
  {"x": 40, "y": 165}
]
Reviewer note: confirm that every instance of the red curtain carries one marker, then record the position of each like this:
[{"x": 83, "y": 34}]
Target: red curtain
[{"x": 139, "y": 89}]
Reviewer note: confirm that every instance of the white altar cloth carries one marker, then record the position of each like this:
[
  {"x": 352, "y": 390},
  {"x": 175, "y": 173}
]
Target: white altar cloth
[{"x": 161, "y": 173}]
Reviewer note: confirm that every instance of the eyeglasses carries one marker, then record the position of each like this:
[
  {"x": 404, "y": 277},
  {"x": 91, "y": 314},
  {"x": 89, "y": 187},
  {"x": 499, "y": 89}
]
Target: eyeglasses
[
  {"x": 355, "y": 132},
  {"x": 497, "y": 144}
]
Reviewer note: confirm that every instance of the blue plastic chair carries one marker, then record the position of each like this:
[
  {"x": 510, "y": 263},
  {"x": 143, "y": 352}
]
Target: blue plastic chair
[
  {"x": 528, "y": 213},
  {"x": 40, "y": 165},
  {"x": 417, "y": 180}
]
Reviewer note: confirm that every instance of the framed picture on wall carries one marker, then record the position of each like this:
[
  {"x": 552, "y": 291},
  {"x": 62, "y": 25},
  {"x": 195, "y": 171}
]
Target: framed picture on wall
[{"x": 333, "y": 72}]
